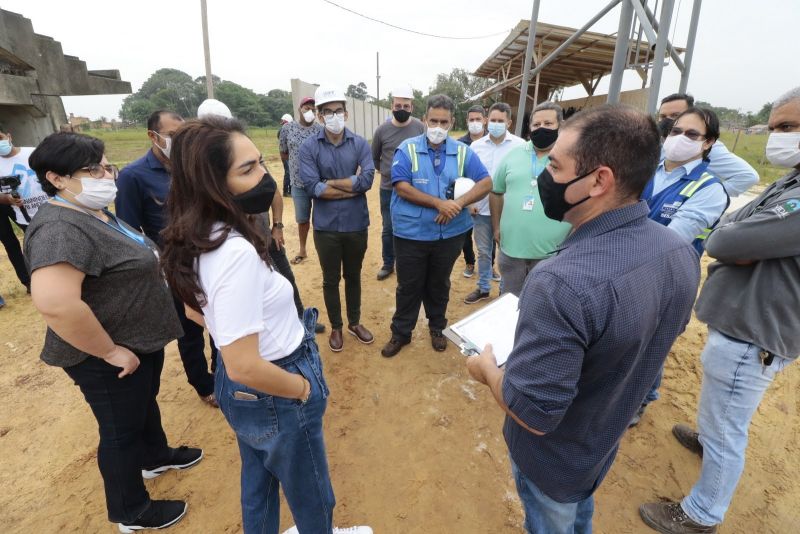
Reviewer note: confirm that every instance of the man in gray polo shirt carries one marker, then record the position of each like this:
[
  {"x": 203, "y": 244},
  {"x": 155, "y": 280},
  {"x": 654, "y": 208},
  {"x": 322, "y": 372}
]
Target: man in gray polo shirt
[
  {"x": 749, "y": 302},
  {"x": 387, "y": 138}
]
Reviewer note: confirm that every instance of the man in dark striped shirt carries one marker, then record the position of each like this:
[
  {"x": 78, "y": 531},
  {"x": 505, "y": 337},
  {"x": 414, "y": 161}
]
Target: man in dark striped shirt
[{"x": 596, "y": 320}]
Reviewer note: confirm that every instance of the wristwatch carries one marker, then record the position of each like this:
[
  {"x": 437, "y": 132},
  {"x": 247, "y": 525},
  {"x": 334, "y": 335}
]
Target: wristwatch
[{"x": 278, "y": 225}]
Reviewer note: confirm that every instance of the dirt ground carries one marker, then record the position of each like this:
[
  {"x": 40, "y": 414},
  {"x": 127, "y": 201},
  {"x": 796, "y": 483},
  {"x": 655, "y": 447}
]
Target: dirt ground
[{"x": 414, "y": 445}]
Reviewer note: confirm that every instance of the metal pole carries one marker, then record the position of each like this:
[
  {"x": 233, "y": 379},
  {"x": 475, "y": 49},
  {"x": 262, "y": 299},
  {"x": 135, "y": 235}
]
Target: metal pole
[
  {"x": 672, "y": 52},
  {"x": 574, "y": 37},
  {"x": 206, "y": 50},
  {"x": 377, "y": 75},
  {"x": 536, "y": 86},
  {"x": 687, "y": 57},
  {"x": 620, "y": 52},
  {"x": 658, "y": 55},
  {"x": 526, "y": 71}
]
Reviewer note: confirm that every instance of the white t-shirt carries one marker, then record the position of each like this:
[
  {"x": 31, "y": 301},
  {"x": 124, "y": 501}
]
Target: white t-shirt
[
  {"x": 30, "y": 189},
  {"x": 491, "y": 155},
  {"x": 244, "y": 296}
]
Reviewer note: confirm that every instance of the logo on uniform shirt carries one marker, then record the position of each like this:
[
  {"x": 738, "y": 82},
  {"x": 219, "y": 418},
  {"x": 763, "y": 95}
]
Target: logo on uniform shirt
[
  {"x": 668, "y": 210},
  {"x": 790, "y": 206}
]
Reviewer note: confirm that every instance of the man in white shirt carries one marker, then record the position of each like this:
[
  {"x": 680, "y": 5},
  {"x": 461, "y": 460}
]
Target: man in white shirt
[
  {"x": 20, "y": 197},
  {"x": 491, "y": 149}
]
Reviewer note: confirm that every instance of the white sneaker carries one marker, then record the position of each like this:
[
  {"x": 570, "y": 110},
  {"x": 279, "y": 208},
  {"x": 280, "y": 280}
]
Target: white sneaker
[{"x": 348, "y": 530}]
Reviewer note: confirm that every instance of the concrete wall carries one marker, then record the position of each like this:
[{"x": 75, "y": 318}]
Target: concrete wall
[
  {"x": 35, "y": 73},
  {"x": 363, "y": 117}
]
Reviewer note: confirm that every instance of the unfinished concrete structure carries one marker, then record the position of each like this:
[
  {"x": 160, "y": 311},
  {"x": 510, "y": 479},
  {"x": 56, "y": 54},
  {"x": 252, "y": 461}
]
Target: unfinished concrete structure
[{"x": 34, "y": 75}]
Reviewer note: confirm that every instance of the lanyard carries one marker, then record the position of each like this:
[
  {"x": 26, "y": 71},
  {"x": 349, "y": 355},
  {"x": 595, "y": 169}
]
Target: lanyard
[
  {"x": 117, "y": 226},
  {"x": 536, "y": 170}
]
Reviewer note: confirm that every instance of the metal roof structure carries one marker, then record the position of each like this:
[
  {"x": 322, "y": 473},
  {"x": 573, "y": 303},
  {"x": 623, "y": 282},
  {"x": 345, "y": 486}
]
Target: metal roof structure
[{"x": 559, "y": 57}]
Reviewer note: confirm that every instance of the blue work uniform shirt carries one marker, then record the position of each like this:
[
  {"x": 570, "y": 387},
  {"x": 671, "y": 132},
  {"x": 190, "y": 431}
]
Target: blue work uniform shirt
[
  {"x": 596, "y": 322},
  {"x": 321, "y": 160},
  {"x": 437, "y": 169},
  {"x": 142, "y": 188}
]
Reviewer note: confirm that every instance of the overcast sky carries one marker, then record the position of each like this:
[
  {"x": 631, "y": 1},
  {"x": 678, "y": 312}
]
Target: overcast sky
[{"x": 745, "y": 54}]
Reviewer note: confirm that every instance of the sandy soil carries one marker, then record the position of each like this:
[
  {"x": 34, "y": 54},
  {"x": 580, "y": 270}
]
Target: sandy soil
[{"x": 414, "y": 444}]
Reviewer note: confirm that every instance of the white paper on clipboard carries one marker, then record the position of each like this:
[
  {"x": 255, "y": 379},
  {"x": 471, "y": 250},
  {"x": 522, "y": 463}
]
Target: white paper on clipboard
[{"x": 494, "y": 323}]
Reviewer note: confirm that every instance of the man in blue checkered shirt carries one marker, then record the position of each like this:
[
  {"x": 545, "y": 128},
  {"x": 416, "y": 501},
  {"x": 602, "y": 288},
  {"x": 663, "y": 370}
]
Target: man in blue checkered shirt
[{"x": 596, "y": 320}]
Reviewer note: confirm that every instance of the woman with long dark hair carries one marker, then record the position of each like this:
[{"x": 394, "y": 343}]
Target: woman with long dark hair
[
  {"x": 97, "y": 284},
  {"x": 269, "y": 381}
]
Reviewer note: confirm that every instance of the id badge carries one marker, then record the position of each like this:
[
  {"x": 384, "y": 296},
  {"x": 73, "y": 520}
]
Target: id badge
[{"x": 527, "y": 203}]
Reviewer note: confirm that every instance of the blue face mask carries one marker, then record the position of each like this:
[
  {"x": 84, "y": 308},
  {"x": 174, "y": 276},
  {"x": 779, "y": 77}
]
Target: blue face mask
[
  {"x": 5, "y": 147},
  {"x": 497, "y": 129}
]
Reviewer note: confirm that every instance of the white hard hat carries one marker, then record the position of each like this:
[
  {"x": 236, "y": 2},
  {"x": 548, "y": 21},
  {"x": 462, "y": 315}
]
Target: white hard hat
[
  {"x": 403, "y": 91},
  {"x": 462, "y": 186},
  {"x": 211, "y": 106},
  {"x": 287, "y": 118},
  {"x": 325, "y": 94}
]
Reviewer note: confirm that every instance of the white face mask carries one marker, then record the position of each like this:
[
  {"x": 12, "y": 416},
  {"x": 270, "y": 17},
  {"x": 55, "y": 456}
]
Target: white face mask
[
  {"x": 681, "y": 148},
  {"x": 475, "y": 127},
  {"x": 96, "y": 193},
  {"x": 436, "y": 135},
  {"x": 783, "y": 149},
  {"x": 334, "y": 124},
  {"x": 308, "y": 116},
  {"x": 168, "y": 147}
]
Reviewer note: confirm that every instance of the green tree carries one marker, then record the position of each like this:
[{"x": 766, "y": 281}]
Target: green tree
[
  {"x": 358, "y": 92},
  {"x": 459, "y": 85},
  {"x": 170, "y": 89}
]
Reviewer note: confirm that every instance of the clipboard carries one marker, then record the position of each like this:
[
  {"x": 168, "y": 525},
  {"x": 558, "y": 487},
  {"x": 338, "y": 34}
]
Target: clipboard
[{"x": 495, "y": 323}]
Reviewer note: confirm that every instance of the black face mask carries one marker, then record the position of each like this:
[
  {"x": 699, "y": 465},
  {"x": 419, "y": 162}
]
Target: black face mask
[
  {"x": 552, "y": 195},
  {"x": 401, "y": 115},
  {"x": 665, "y": 126},
  {"x": 259, "y": 198},
  {"x": 544, "y": 137}
]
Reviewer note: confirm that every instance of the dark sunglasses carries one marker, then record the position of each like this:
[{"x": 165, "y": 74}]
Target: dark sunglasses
[{"x": 694, "y": 135}]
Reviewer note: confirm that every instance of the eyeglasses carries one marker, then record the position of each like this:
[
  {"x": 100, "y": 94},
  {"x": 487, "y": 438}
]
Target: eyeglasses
[
  {"x": 329, "y": 113},
  {"x": 694, "y": 135},
  {"x": 96, "y": 170}
]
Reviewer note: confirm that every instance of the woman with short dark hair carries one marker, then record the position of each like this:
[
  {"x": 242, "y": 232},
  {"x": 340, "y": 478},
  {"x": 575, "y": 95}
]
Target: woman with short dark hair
[{"x": 109, "y": 314}]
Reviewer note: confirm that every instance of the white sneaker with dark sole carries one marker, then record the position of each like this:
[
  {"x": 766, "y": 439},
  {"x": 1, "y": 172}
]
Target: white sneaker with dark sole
[
  {"x": 336, "y": 530},
  {"x": 182, "y": 458}
]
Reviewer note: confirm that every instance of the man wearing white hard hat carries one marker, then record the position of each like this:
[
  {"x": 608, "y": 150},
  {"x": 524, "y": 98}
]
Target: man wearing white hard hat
[
  {"x": 287, "y": 178},
  {"x": 387, "y": 138},
  {"x": 336, "y": 170},
  {"x": 428, "y": 221}
]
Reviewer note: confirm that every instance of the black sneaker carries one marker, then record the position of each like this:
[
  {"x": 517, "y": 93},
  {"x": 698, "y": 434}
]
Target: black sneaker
[
  {"x": 476, "y": 296},
  {"x": 182, "y": 458},
  {"x": 160, "y": 514}
]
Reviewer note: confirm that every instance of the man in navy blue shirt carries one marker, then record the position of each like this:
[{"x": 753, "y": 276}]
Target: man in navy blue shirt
[
  {"x": 336, "y": 170},
  {"x": 596, "y": 320},
  {"x": 142, "y": 188}
]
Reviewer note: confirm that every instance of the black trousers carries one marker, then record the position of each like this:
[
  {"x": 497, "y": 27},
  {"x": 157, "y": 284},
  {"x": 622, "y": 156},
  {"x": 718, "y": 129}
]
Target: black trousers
[
  {"x": 12, "y": 246},
  {"x": 469, "y": 252},
  {"x": 192, "y": 348},
  {"x": 423, "y": 277},
  {"x": 129, "y": 422},
  {"x": 287, "y": 179},
  {"x": 341, "y": 253}
]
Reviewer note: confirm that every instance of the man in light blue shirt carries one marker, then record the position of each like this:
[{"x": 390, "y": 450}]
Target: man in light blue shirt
[{"x": 736, "y": 174}]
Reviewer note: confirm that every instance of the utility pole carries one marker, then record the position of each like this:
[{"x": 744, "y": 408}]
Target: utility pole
[
  {"x": 209, "y": 79},
  {"x": 378, "y": 75}
]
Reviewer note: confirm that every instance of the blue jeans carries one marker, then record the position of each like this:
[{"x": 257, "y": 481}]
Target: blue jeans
[
  {"x": 302, "y": 205},
  {"x": 281, "y": 444},
  {"x": 543, "y": 515},
  {"x": 387, "y": 241},
  {"x": 734, "y": 381},
  {"x": 484, "y": 240}
]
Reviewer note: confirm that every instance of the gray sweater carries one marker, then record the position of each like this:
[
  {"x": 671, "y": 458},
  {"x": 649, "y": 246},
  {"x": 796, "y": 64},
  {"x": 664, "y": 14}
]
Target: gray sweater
[{"x": 753, "y": 289}]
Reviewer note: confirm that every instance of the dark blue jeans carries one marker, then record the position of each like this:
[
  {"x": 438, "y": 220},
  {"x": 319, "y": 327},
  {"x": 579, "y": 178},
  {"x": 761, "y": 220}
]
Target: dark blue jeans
[
  {"x": 281, "y": 444},
  {"x": 546, "y": 516},
  {"x": 386, "y": 232},
  {"x": 129, "y": 422}
]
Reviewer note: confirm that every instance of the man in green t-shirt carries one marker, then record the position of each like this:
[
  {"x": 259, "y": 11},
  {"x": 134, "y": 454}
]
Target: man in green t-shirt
[{"x": 525, "y": 234}]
